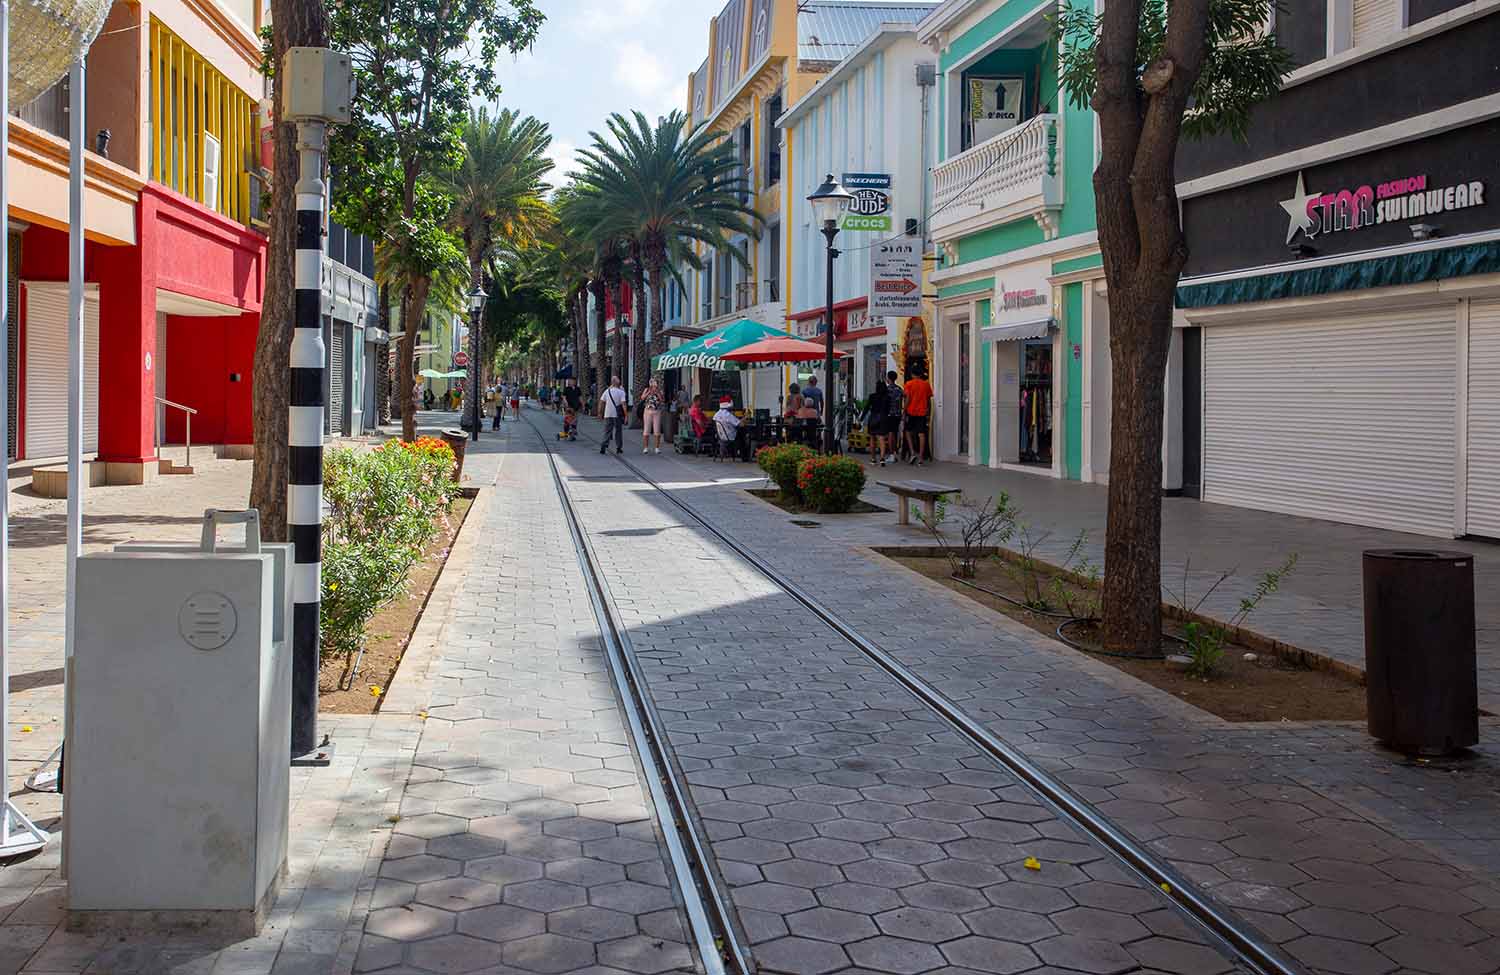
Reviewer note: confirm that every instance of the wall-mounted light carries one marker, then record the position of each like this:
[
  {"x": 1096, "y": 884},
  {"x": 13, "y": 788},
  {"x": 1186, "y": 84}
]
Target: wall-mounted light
[
  {"x": 1424, "y": 231},
  {"x": 1302, "y": 249}
]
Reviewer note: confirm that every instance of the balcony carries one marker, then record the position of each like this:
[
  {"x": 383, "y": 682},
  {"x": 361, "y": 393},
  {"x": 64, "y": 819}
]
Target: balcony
[{"x": 1014, "y": 175}]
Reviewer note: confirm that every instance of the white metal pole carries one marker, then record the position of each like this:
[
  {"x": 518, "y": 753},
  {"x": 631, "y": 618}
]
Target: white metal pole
[
  {"x": 17, "y": 833},
  {"x": 75, "y": 339}
]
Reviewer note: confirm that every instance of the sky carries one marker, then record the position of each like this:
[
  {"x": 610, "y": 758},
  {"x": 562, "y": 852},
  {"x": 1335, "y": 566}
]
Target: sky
[{"x": 594, "y": 57}]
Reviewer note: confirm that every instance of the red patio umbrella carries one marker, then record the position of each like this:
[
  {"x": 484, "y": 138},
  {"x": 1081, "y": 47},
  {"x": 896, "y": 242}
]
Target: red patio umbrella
[{"x": 780, "y": 349}]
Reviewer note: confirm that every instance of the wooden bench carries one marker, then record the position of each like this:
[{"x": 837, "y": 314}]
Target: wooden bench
[{"x": 924, "y": 491}]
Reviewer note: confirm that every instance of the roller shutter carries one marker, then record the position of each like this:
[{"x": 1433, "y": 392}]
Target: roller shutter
[
  {"x": 1349, "y": 419},
  {"x": 1375, "y": 21},
  {"x": 47, "y": 369},
  {"x": 1483, "y": 482},
  {"x": 337, "y": 378}
]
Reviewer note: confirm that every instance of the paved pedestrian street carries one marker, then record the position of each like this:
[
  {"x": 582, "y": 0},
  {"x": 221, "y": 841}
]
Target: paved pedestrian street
[{"x": 493, "y": 817}]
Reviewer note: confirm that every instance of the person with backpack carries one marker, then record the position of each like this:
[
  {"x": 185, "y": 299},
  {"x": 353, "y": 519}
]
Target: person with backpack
[
  {"x": 616, "y": 403},
  {"x": 894, "y": 411},
  {"x": 875, "y": 414}
]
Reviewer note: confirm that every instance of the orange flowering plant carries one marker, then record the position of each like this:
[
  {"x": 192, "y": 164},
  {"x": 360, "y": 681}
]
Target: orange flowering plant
[{"x": 830, "y": 485}]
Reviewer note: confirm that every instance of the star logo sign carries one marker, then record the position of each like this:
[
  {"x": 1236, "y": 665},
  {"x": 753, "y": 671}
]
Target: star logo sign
[
  {"x": 717, "y": 340},
  {"x": 1296, "y": 211}
]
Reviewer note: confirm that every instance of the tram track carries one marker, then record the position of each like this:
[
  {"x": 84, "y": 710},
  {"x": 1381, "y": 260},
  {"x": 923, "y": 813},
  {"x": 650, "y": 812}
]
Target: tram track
[
  {"x": 1235, "y": 938},
  {"x": 712, "y": 926}
]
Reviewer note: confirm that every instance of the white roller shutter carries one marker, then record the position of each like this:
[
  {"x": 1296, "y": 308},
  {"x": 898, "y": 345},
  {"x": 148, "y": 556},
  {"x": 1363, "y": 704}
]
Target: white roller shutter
[
  {"x": 337, "y": 378},
  {"x": 1483, "y": 493},
  {"x": 1347, "y": 419},
  {"x": 47, "y": 369}
]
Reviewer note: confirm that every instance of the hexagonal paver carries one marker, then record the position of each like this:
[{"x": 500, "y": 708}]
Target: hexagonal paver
[
  {"x": 1436, "y": 957},
  {"x": 859, "y": 897},
  {"x": 545, "y": 895},
  {"x": 420, "y": 869},
  {"x": 549, "y": 954},
  {"x": 1085, "y": 955},
  {"x": 801, "y": 956},
  {"x": 916, "y": 924},
  {"x": 591, "y": 924},
  {"x": 898, "y": 955},
  {"x": 779, "y": 898},
  {"x": 454, "y": 953},
  {"x": 410, "y": 923},
  {"x": 1334, "y": 923},
  {"x": 631, "y": 897},
  {"x": 503, "y": 870},
  {"x": 944, "y": 897},
  {"x": 828, "y": 924},
  {"x": 466, "y": 846},
  {"x": 585, "y": 872},
  {"x": 989, "y": 955},
  {"x": 1179, "y": 957},
  {"x": 618, "y": 849},
  {"x": 501, "y": 922},
  {"x": 1007, "y": 924},
  {"x": 826, "y": 850},
  {"x": 1341, "y": 957},
  {"x": 458, "y": 893},
  {"x": 430, "y": 825},
  {"x": 802, "y": 873},
  {"x": 648, "y": 956}
]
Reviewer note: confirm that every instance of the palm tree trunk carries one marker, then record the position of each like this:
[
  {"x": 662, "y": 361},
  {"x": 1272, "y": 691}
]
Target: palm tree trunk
[
  {"x": 617, "y": 366},
  {"x": 640, "y": 363},
  {"x": 658, "y": 316},
  {"x": 601, "y": 355},
  {"x": 411, "y": 321}
]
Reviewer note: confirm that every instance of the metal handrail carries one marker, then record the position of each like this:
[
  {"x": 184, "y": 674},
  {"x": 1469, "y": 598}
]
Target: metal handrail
[{"x": 188, "y": 412}]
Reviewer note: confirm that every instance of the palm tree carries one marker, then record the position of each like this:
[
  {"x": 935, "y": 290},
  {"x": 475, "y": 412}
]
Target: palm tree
[
  {"x": 422, "y": 264},
  {"x": 661, "y": 188}
]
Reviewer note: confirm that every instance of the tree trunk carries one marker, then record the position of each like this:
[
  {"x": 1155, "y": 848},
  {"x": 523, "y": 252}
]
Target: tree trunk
[
  {"x": 578, "y": 309},
  {"x": 296, "y": 23},
  {"x": 411, "y": 322},
  {"x": 1140, "y": 328},
  {"x": 601, "y": 366},
  {"x": 658, "y": 316},
  {"x": 639, "y": 359},
  {"x": 617, "y": 364}
]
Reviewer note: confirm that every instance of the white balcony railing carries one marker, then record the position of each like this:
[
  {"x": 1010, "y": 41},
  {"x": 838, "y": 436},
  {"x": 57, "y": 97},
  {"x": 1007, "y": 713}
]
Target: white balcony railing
[{"x": 1013, "y": 175}]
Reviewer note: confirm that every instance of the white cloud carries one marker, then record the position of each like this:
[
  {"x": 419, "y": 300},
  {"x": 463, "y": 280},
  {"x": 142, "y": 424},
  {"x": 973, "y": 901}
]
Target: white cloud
[
  {"x": 640, "y": 71},
  {"x": 564, "y": 156}
]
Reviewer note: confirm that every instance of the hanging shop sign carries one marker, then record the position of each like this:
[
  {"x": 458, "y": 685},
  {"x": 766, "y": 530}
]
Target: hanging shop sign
[
  {"x": 1407, "y": 199},
  {"x": 896, "y": 277},
  {"x": 1022, "y": 294},
  {"x": 995, "y": 105},
  {"x": 871, "y": 207}
]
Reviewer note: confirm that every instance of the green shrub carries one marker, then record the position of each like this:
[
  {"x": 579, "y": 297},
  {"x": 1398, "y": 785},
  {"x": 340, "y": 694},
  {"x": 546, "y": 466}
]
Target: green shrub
[
  {"x": 781, "y": 464},
  {"x": 383, "y": 509},
  {"x": 830, "y": 485}
]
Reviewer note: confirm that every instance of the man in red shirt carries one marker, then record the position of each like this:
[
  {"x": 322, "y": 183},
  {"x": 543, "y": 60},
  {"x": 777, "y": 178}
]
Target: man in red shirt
[{"x": 918, "y": 404}]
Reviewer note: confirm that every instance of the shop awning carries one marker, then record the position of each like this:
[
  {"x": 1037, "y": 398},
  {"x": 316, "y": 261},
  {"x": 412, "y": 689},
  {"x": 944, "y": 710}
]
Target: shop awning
[
  {"x": 434, "y": 374},
  {"x": 1012, "y": 333},
  {"x": 705, "y": 352},
  {"x": 566, "y": 372}
]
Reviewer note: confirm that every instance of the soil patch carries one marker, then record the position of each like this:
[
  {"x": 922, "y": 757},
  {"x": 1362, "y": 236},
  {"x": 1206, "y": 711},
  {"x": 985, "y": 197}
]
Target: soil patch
[
  {"x": 1269, "y": 688},
  {"x": 772, "y": 495},
  {"x": 390, "y": 630}
]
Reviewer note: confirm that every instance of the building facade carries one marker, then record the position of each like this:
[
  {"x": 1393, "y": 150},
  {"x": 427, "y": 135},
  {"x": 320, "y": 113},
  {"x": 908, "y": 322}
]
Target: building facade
[
  {"x": 1340, "y": 350},
  {"x": 864, "y": 122},
  {"x": 1021, "y": 321}
]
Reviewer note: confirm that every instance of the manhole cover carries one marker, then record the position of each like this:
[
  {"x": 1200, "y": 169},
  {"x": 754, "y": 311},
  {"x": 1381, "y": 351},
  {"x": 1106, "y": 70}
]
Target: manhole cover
[{"x": 804, "y": 523}]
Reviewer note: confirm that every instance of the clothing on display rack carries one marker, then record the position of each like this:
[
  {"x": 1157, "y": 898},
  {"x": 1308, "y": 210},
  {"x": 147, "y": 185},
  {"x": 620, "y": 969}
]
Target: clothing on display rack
[{"x": 1036, "y": 404}]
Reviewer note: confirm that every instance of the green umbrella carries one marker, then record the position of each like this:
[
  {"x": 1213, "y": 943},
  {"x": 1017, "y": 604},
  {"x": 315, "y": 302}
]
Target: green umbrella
[{"x": 704, "y": 351}]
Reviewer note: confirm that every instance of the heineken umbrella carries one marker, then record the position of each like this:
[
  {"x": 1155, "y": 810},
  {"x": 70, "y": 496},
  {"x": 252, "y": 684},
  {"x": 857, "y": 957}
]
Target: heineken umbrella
[{"x": 707, "y": 351}]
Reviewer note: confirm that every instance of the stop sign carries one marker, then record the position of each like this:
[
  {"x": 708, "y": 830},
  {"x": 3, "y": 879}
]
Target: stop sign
[{"x": 461, "y": 359}]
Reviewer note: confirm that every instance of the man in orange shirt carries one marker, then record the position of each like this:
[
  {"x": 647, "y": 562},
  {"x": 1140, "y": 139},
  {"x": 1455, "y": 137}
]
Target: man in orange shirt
[{"x": 918, "y": 403}]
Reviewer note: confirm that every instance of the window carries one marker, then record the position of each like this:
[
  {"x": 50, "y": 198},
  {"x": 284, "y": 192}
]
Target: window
[
  {"x": 773, "y": 262},
  {"x": 200, "y": 123},
  {"x": 773, "y": 140},
  {"x": 742, "y": 138},
  {"x": 1375, "y": 20}
]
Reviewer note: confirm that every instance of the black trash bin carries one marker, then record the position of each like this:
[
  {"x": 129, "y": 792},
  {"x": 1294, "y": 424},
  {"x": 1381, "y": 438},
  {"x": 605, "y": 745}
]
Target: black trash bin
[{"x": 1421, "y": 682}]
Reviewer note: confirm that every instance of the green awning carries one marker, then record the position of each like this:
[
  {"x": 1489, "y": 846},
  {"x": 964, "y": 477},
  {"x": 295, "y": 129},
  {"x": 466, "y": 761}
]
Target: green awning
[
  {"x": 434, "y": 374},
  {"x": 1379, "y": 272},
  {"x": 704, "y": 351}
]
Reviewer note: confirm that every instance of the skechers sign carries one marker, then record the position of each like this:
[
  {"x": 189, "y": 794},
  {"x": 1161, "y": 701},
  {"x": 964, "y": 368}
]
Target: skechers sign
[
  {"x": 1408, "y": 199},
  {"x": 871, "y": 207}
]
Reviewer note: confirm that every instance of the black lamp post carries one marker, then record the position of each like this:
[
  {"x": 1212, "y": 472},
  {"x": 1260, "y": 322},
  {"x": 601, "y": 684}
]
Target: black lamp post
[
  {"x": 476, "y": 312},
  {"x": 827, "y": 202}
]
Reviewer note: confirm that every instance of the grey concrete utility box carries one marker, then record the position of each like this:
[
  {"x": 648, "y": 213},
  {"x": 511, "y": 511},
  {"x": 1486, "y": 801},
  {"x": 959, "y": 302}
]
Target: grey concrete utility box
[{"x": 177, "y": 761}]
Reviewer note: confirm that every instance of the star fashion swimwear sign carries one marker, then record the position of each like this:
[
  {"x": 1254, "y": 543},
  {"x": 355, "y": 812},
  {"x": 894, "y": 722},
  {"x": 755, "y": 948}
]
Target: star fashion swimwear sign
[{"x": 1408, "y": 198}]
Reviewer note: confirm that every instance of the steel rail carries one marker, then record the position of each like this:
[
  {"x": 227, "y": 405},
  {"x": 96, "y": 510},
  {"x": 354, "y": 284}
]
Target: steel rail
[
  {"x": 1238, "y": 938},
  {"x": 710, "y": 916}
]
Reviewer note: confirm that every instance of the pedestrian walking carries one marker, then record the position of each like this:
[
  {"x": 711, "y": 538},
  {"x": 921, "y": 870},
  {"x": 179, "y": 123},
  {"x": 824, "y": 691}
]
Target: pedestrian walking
[
  {"x": 793, "y": 401},
  {"x": 615, "y": 403},
  {"x": 876, "y": 414},
  {"x": 654, "y": 403},
  {"x": 895, "y": 412},
  {"x": 918, "y": 401},
  {"x": 813, "y": 394}
]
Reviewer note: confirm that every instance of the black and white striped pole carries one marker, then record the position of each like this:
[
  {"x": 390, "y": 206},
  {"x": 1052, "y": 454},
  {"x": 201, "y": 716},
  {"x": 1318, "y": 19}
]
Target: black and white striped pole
[{"x": 317, "y": 87}]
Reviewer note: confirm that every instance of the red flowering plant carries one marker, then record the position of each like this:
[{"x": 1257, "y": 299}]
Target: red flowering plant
[
  {"x": 781, "y": 463},
  {"x": 830, "y": 485}
]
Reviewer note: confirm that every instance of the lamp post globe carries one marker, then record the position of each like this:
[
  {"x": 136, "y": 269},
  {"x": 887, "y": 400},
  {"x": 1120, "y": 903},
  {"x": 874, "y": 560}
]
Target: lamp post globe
[
  {"x": 476, "y": 313},
  {"x": 828, "y": 201}
]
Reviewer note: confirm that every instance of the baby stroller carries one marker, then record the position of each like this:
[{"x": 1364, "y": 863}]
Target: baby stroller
[{"x": 570, "y": 425}]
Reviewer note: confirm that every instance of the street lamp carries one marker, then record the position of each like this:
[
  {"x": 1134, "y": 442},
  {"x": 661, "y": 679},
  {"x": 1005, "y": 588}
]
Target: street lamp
[
  {"x": 827, "y": 202},
  {"x": 476, "y": 309}
]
